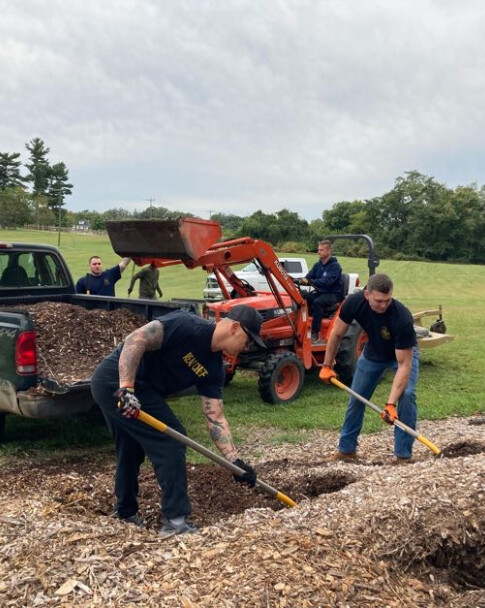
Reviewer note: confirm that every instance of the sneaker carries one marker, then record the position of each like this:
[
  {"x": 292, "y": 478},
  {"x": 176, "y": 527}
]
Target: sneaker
[
  {"x": 169, "y": 528},
  {"x": 314, "y": 337},
  {"x": 132, "y": 519},
  {"x": 342, "y": 457}
]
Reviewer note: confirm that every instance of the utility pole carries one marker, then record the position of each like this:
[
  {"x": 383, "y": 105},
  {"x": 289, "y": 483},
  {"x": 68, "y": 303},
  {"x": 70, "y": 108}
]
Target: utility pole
[
  {"x": 150, "y": 200},
  {"x": 59, "y": 220}
]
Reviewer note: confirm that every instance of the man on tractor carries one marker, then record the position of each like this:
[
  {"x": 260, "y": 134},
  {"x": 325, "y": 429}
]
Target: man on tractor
[{"x": 326, "y": 278}]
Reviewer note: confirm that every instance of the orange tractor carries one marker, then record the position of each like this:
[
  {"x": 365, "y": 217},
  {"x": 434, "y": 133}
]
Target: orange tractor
[{"x": 286, "y": 329}]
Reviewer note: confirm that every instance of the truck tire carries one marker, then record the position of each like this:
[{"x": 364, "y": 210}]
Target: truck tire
[
  {"x": 349, "y": 352},
  {"x": 281, "y": 378}
]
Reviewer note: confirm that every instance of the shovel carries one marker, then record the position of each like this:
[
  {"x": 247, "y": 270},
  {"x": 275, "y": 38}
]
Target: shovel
[
  {"x": 163, "y": 428},
  {"x": 407, "y": 429}
]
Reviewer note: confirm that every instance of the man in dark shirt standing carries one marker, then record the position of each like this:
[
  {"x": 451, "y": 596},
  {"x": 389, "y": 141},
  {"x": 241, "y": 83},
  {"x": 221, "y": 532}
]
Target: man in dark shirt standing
[
  {"x": 391, "y": 345},
  {"x": 326, "y": 278},
  {"x": 99, "y": 282},
  {"x": 161, "y": 358},
  {"x": 149, "y": 287}
]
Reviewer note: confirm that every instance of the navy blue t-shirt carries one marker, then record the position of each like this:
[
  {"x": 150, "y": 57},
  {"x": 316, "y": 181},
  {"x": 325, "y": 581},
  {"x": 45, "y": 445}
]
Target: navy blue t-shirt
[
  {"x": 101, "y": 285},
  {"x": 185, "y": 358},
  {"x": 387, "y": 332}
]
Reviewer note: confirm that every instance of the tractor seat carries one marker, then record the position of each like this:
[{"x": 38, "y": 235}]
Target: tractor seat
[{"x": 345, "y": 289}]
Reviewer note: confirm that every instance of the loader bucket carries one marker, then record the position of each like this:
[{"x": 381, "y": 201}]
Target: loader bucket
[{"x": 179, "y": 239}]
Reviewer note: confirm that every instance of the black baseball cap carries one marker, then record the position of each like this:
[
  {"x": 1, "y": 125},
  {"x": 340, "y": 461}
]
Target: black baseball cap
[{"x": 250, "y": 321}]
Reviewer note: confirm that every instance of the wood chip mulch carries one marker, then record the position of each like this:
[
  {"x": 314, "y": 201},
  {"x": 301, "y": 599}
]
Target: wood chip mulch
[
  {"x": 72, "y": 340},
  {"x": 365, "y": 534}
]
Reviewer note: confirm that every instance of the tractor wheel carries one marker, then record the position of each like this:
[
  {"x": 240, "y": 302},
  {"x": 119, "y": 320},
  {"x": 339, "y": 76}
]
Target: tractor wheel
[
  {"x": 228, "y": 378},
  {"x": 281, "y": 378},
  {"x": 349, "y": 352}
]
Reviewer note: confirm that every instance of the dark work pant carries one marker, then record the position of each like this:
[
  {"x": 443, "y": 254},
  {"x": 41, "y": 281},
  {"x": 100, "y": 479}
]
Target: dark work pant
[
  {"x": 135, "y": 439},
  {"x": 319, "y": 303}
]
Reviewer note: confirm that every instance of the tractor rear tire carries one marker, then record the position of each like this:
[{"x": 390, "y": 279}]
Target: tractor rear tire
[
  {"x": 349, "y": 352},
  {"x": 229, "y": 377},
  {"x": 281, "y": 378}
]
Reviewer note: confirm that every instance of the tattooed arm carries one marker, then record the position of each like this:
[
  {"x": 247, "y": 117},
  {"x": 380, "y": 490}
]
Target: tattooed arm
[
  {"x": 148, "y": 337},
  {"x": 218, "y": 426}
]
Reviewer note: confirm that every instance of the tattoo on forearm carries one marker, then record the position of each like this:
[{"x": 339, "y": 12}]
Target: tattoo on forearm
[{"x": 148, "y": 337}]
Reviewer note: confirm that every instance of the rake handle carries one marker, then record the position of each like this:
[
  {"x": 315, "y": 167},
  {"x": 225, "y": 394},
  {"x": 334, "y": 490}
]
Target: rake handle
[
  {"x": 404, "y": 427},
  {"x": 163, "y": 428}
]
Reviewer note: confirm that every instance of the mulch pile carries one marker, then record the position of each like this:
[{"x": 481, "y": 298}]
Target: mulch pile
[
  {"x": 72, "y": 340},
  {"x": 370, "y": 533}
]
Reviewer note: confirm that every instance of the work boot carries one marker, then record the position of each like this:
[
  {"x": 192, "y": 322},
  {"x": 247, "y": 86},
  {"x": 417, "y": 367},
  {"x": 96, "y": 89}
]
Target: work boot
[
  {"x": 401, "y": 460},
  {"x": 343, "y": 457},
  {"x": 132, "y": 519},
  {"x": 316, "y": 339},
  {"x": 170, "y": 527}
]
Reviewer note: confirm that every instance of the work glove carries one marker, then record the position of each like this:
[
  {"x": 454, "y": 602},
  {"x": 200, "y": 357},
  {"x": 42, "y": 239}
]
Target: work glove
[
  {"x": 326, "y": 374},
  {"x": 128, "y": 402},
  {"x": 389, "y": 413},
  {"x": 249, "y": 476},
  {"x": 304, "y": 281}
]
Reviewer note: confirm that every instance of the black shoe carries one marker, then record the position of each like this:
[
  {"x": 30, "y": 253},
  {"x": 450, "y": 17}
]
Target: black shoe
[
  {"x": 169, "y": 528},
  {"x": 132, "y": 519}
]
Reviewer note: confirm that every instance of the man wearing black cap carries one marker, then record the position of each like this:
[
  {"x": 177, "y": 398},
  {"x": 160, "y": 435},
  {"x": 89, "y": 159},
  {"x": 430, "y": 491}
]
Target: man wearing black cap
[{"x": 166, "y": 356}]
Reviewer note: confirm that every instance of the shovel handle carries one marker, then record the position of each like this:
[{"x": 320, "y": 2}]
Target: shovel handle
[
  {"x": 407, "y": 429},
  {"x": 163, "y": 428}
]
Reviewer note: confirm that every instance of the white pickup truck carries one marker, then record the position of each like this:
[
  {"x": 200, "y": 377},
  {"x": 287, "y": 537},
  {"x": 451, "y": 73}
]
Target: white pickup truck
[{"x": 297, "y": 268}]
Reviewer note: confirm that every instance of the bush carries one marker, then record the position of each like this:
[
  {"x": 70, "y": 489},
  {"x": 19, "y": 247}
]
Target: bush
[{"x": 291, "y": 247}]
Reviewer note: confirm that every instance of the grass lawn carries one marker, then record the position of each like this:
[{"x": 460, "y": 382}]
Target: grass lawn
[{"x": 451, "y": 377}]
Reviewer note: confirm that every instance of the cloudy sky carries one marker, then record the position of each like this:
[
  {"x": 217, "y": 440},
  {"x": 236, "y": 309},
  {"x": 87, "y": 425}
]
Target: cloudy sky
[{"x": 237, "y": 105}]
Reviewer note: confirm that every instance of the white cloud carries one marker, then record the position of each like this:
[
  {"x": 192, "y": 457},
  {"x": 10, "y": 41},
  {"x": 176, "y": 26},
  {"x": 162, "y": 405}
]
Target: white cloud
[{"x": 238, "y": 106}]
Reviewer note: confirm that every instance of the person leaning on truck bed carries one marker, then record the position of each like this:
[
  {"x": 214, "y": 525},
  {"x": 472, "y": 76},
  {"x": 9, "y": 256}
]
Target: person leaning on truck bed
[
  {"x": 326, "y": 278},
  {"x": 99, "y": 282},
  {"x": 149, "y": 287},
  {"x": 391, "y": 345},
  {"x": 166, "y": 356}
]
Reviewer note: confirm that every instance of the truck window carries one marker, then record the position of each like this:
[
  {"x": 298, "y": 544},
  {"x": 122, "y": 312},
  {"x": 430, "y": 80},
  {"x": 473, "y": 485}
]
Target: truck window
[
  {"x": 25, "y": 270},
  {"x": 293, "y": 267}
]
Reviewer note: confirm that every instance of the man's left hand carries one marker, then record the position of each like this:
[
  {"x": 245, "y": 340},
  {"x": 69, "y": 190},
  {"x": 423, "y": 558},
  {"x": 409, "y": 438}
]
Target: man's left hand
[
  {"x": 389, "y": 413},
  {"x": 249, "y": 476}
]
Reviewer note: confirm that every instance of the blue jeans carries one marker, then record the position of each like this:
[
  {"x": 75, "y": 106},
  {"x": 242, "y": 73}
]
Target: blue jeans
[{"x": 366, "y": 378}]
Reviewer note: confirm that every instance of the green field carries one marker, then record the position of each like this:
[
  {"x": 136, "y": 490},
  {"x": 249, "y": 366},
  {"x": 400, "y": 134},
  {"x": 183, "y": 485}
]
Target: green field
[{"x": 451, "y": 378}]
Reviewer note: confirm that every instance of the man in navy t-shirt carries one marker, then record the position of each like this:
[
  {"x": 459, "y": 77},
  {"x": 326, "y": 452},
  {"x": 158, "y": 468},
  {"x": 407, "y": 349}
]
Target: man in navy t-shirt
[
  {"x": 392, "y": 344},
  {"x": 99, "y": 282},
  {"x": 166, "y": 356}
]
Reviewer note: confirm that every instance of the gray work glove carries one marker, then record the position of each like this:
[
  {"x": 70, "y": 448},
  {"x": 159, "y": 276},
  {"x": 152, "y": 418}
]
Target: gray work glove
[{"x": 128, "y": 402}]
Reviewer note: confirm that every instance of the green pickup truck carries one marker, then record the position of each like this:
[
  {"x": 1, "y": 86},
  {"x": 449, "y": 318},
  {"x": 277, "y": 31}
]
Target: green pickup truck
[{"x": 32, "y": 274}]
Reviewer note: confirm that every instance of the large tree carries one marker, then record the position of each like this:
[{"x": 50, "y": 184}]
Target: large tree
[
  {"x": 10, "y": 170},
  {"x": 39, "y": 167},
  {"x": 15, "y": 207},
  {"x": 58, "y": 187},
  {"x": 39, "y": 171}
]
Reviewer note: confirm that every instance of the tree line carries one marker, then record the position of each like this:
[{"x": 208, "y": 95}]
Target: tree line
[
  {"x": 37, "y": 195},
  {"x": 419, "y": 218}
]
